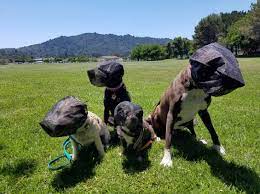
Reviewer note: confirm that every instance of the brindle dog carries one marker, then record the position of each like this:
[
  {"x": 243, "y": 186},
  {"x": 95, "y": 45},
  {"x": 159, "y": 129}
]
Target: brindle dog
[
  {"x": 214, "y": 71},
  {"x": 177, "y": 109}
]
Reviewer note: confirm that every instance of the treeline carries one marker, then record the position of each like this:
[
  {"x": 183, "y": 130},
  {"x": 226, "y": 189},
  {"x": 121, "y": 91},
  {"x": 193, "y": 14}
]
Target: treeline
[
  {"x": 177, "y": 48},
  {"x": 239, "y": 31},
  {"x": 78, "y": 59},
  {"x": 16, "y": 59},
  {"x": 28, "y": 59}
]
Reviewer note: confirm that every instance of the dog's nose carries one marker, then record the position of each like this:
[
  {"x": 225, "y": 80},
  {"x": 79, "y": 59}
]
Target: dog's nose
[{"x": 91, "y": 74}]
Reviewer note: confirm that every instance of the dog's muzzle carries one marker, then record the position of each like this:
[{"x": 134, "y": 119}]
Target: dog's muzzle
[{"x": 96, "y": 77}]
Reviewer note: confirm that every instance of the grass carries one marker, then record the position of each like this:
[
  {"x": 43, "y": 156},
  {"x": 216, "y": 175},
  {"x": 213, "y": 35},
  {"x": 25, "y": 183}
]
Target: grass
[{"x": 28, "y": 91}]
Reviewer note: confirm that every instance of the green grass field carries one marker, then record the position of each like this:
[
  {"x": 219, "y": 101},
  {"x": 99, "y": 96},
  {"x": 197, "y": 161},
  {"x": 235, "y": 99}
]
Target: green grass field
[{"x": 28, "y": 91}]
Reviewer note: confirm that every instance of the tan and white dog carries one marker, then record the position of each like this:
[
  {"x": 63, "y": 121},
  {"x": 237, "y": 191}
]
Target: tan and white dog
[
  {"x": 69, "y": 117},
  {"x": 94, "y": 130}
]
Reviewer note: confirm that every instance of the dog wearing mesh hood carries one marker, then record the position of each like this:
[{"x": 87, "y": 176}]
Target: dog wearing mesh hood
[
  {"x": 110, "y": 75},
  {"x": 136, "y": 134},
  {"x": 213, "y": 71},
  {"x": 69, "y": 117}
]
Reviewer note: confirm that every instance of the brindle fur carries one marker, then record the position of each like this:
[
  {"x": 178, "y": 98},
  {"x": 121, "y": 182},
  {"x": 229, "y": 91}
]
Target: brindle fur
[{"x": 165, "y": 114}]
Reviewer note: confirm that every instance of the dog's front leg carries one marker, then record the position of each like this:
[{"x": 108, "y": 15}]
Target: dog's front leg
[
  {"x": 99, "y": 146},
  {"x": 105, "y": 138},
  {"x": 167, "y": 158},
  {"x": 106, "y": 114},
  {"x": 190, "y": 126},
  {"x": 205, "y": 117},
  {"x": 75, "y": 150}
]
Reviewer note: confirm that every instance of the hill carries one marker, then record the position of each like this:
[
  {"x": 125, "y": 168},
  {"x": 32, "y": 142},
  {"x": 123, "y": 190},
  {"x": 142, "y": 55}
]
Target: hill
[{"x": 91, "y": 44}]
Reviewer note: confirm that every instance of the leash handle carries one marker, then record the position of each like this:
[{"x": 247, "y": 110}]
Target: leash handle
[
  {"x": 66, "y": 154},
  {"x": 51, "y": 167}
]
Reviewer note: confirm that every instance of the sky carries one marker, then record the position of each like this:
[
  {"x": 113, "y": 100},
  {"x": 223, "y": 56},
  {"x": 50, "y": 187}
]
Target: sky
[{"x": 27, "y": 22}]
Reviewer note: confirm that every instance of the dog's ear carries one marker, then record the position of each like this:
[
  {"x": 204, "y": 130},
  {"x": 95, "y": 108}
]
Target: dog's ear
[
  {"x": 119, "y": 116},
  {"x": 139, "y": 114}
]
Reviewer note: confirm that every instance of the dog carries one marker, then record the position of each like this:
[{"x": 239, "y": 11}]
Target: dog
[
  {"x": 136, "y": 134},
  {"x": 213, "y": 71},
  {"x": 69, "y": 117},
  {"x": 94, "y": 130},
  {"x": 110, "y": 75}
]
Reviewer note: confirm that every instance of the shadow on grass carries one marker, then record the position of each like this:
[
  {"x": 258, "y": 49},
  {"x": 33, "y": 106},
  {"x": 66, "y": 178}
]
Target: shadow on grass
[
  {"x": 132, "y": 166},
  {"x": 21, "y": 168},
  {"x": 130, "y": 163},
  {"x": 80, "y": 170},
  {"x": 232, "y": 174},
  {"x": 114, "y": 141}
]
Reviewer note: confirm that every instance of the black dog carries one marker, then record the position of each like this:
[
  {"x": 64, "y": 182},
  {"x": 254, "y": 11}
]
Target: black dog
[
  {"x": 135, "y": 133},
  {"x": 110, "y": 75}
]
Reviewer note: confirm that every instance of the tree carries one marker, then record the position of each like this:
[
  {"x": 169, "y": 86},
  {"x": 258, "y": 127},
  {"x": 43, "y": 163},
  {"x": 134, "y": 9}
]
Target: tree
[
  {"x": 208, "y": 30},
  {"x": 169, "y": 53},
  {"x": 136, "y": 53},
  {"x": 214, "y": 28},
  {"x": 179, "y": 47},
  {"x": 148, "y": 52},
  {"x": 228, "y": 19},
  {"x": 256, "y": 22},
  {"x": 4, "y": 61},
  {"x": 244, "y": 34}
]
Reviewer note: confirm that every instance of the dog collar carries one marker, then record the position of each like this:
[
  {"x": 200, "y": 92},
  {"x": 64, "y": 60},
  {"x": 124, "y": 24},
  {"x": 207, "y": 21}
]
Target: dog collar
[
  {"x": 149, "y": 142},
  {"x": 116, "y": 88},
  {"x": 73, "y": 137},
  {"x": 139, "y": 139}
]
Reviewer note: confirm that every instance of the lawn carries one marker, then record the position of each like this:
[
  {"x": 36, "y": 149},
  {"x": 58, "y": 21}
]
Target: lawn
[{"x": 28, "y": 91}]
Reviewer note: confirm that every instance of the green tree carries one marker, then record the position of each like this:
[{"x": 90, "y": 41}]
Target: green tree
[
  {"x": 243, "y": 35},
  {"x": 169, "y": 52},
  {"x": 148, "y": 52},
  {"x": 180, "y": 47},
  {"x": 4, "y": 61},
  {"x": 208, "y": 30},
  {"x": 228, "y": 19},
  {"x": 256, "y": 22},
  {"x": 136, "y": 53}
]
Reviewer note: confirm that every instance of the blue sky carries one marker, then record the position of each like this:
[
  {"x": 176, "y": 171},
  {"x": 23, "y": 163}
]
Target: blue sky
[{"x": 26, "y": 22}]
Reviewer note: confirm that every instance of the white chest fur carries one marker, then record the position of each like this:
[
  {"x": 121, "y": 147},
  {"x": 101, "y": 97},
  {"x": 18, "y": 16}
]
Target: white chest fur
[
  {"x": 128, "y": 139},
  {"x": 86, "y": 135},
  {"x": 89, "y": 132},
  {"x": 192, "y": 102}
]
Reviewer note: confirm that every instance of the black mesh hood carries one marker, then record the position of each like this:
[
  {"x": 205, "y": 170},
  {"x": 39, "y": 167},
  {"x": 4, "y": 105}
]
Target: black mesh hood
[{"x": 216, "y": 70}]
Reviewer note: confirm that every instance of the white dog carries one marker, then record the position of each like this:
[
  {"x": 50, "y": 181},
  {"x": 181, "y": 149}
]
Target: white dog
[
  {"x": 69, "y": 117},
  {"x": 90, "y": 132}
]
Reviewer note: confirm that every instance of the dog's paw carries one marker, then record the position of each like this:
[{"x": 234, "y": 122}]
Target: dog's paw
[
  {"x": 220, "y": 149},
  {"x": 167, "y": 159},
  {"x": 166, "y": 162},
  {"x": 203, "y": 141},
  {"x": 158, "y": 139}
]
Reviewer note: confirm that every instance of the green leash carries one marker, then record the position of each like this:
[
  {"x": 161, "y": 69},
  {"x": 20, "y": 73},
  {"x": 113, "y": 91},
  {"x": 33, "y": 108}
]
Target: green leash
[{"x": 66, "y": 145}]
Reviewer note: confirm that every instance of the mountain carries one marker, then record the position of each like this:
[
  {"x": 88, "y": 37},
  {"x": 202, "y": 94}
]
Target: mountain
[{"x": 91, "y": 44}]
